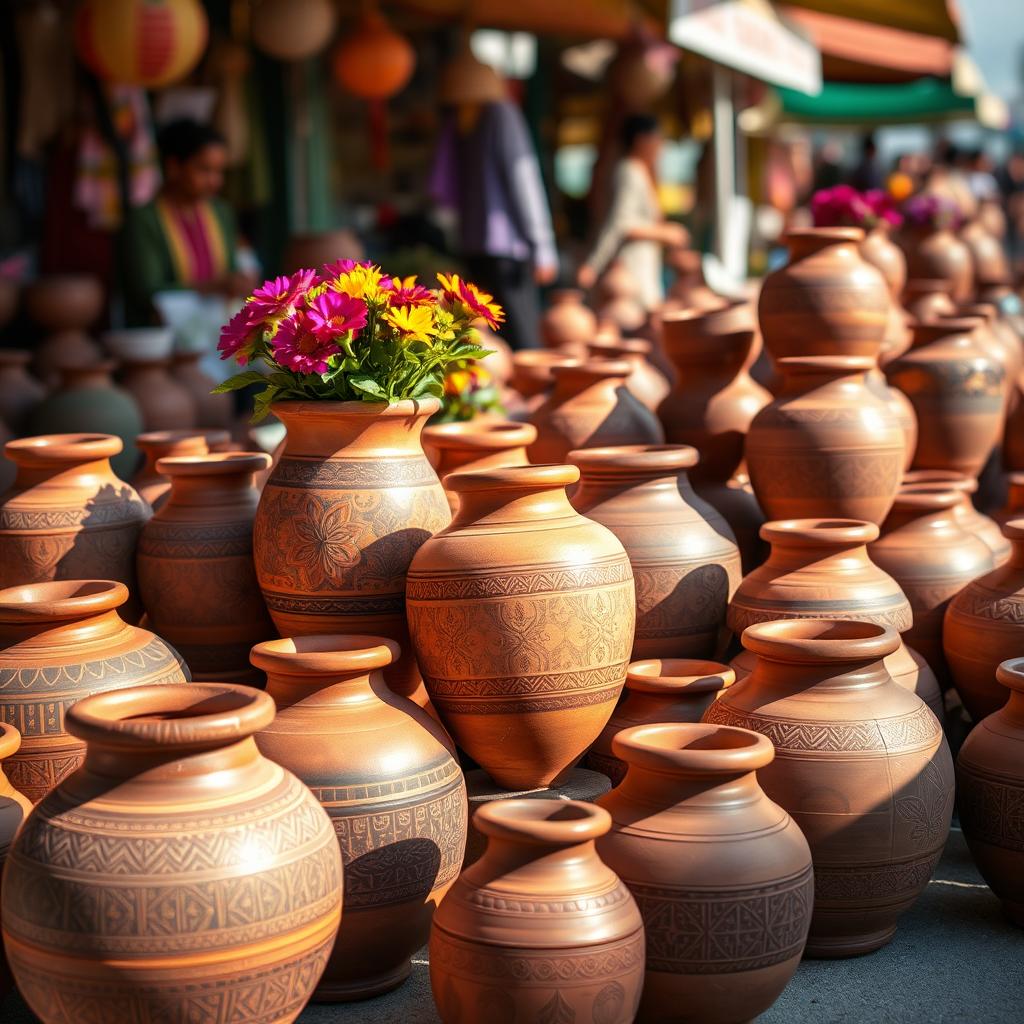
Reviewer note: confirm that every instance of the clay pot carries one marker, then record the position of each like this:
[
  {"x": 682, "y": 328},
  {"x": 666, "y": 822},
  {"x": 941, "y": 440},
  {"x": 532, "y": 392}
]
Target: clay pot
[
  {"x": 827, "y": 300},
  {"x": 937, "y": 254},
  {"x": 589, "y": 407},
  {"x": 828, "y": 446},
  {"x": 59, "y": 352},
  {"x": 647, "y": 383},
  {"x": 533, "y": 374},
  {"x": 685, "y": 561},
  {"x": 380, "y": 767},
  {"x": 344, "y": 511},
  {"x": 219, "y": 867},
  {"x": 702, "y": 848},
  {"x": 860, "y": 763},
  {"x": 65, "y": 302},
  {"x": 165, "y": 403},
  {"x": 1014, "y": 507},
  {"x": 163, "y": 444},
  {"x": 925, "y": 549},
  {"x": 197, "y": 580},
  {"x": 522, "y": 615},
  {"x": 714, "y": 398},
  {"x": 658, "y": 690},
  {"x": 928, "y": 299},
  {"x": 957, "y": 392},
  {"x": 735, "y": 500},
  {"x": 567, "y": 323},
  {"x": 539, "y": 928},
  {"x": 988, "y": 257},
  {"x": 317, "y": 248},
  {"x": 885, "y": 255},
  {"x": 211, "y": 410},
  {"x": 901, "y": 408},
  {"x": 990, "y": 783},
  {"x": 625, "y": 313},
  {"x": 68, "y": 517},
  {"x": 14, "y": 809},
  {"x": 60, "y": 642},
  {"x": 617, "y": 282},
  {"x": 689, "y": 289},
  {"x": 20, "y": 392}
]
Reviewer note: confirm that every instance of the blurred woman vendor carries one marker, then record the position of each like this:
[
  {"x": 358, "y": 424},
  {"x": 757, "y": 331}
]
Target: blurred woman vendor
[{"x": 186, "y": 238}]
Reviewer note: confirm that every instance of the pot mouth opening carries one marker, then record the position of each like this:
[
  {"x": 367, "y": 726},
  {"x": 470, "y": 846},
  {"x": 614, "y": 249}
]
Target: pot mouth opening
[
  {"x": 63, "y": 448},
  {"x": 59, "y": 600},
  {"x": 1013, "y": 529},
  {"x": 668, "y": 675},
  {"x": 1010, "y": 674},
  {"x": 325, "y": 654},
  {"x": 655, "y": 458},
  {"x": 213, "y": 464},
  {"x": 824, "y": 533},
  {"x": 693, "y": 748},
  {"x": 543, "y": 822},
  {"x": 925, "y": 498},
  {"x": 545, "y": 476},
  {"x": 806, "y": 641},
  {"x": 494, "y": 435}
]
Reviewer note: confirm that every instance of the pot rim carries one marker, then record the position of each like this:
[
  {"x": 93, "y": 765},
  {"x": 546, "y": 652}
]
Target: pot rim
[
  {"x": 47, "y": 449},
  {"x": 213, "y": 464},
  {"x": 1013, "y": 529},
  {"x": 543, "y": 476},
  {"x": 833, "y": 234},
  {"x": 806, "y": 641},
  {"x": 1010, "y": 674},
  {"x": 823, "y": 532},
  {"x": 837, "y": 364},
  {"x": 924, "y": 499},
  {"x": 930, "y": 479},
  {"x": 59, "y": 600},
  {"x": 325, "y": 654},
  {"x": 693, "y": 748},
  {"x": 417, "y": 407},
  {"x": 652, "y": 458},
  {"x": 595, "y": 369},
  {"x": 547, "y": 358},
  {"x": 488, "y": 435},
  {"x": 156, "y": 438},
  {"x": 544, "y": 822},
  {"x": 678, "y": 675},
  {"x": 629, "y": 346},
  {"x": 10, "y": 741}
]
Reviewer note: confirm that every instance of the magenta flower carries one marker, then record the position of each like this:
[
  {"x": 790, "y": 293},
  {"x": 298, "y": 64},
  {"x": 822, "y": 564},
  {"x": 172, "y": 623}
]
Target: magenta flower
[
  {"x": 278, "y": 297},
  {"x": 333, "y": 314},
  {"x": 238, "y": 335},
  {"x": 407, "y": 292},
  {"x": 339, "y": 267},
  {"x": 296, "y": 348},
  {"x": 842, "y": 206},
  {"x": 883, "y": 206}
]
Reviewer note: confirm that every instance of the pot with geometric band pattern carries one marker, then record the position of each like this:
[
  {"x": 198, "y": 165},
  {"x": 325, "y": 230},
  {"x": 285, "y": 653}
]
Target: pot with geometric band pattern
[{"x": 860, "y": 763}]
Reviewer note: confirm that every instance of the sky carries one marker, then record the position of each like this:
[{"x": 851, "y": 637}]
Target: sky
[{"x": 994, "y": 32}]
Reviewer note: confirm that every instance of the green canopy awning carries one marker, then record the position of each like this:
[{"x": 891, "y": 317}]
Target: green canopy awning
[{"x": 924, "y": 99}]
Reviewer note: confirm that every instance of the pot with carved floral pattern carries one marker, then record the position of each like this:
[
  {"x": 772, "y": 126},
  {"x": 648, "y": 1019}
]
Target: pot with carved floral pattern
[
  {"x": 539, "y": 928},
  {"x": 347, "y": 506},
  {"x": 178, "y": 874},
  {"x": 522, "y": 616},
  {"x": 860, "y": 763}
]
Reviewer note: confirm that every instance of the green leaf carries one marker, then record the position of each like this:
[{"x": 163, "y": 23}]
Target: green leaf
[
  {"x": 240, "y": 380},
  {"x": 367, "y": 386},
  {"x": 264, "y": 400}
]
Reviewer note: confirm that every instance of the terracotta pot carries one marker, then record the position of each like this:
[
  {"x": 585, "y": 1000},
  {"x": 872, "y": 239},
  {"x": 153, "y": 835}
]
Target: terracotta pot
[
  {"x": 522, "y": 615},
  {"x": 658, "y": 690},
  {"x": 957, "y": 391},
  {"x": 689, "y": 289},
  {"x": 885, "y": 255},
  {"x": 567, "y": 323},
  {"x": 65, "y": 302},
  {"x": 197, "y": 580},
  {"x": 990, "y": 784},
  {"x": 380, "y": 767},
  {"x": 489, "y": 444},
  {"x": 702, "y": 848},
  {"x": 590, "y": 406},
  {"x": 344, "y": 511},
  {"x": 988, "y": 257},
  {"x": 68, "y": 517},
  {"x": 928, "y": 299},
  {"x": 219, "y": 867},
  {"x": 533, "y": 374},
  {"x": 163, "y": 444},
  {"x": 647, "y": 383},
  {"x": 685, "y": 561},
  {"x": 164, "y": 402},
  {"x": 828, "y": 446},
  {"x": 20, "y": 392},
  {"x": 901, "y": 408},
  {"x": 926, "y": 550},
  {"x": 1014, "y": 507},
  {"x": 60, "y": 642},
  {"x": 617, "y": 282},
  {"x": 936, "y": 253},
  {"x": 624, "y": 312},
  {"x": 14, "y": 808},
  {"x": 539, "y": 928},
  {"x": 827, "y": 300},
  {"x": 860, "y": 763},
  {"x": 211, "y": 410}
]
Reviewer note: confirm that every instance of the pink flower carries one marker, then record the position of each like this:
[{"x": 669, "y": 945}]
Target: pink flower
[
  {"x": 333, "y": 314},
  {"x": 296, "y": 348},
  {"x": 278, "y": 297},
  {"x": 883, "y": 206},
  {"x": 238, "y": 335},
  {"x": 407, "y": 292},
  {"x": 339, "y": 267},
  {"x": 842, "y": 206}
]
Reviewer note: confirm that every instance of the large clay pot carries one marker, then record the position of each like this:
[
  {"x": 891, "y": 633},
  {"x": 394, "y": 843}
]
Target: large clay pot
[
  {"x": 20, "y": 392},
  {"x": 860, "y": 763},
  {"x": 163, "y": 444},
  {"x": 901, "y": 408},
  {"x": 928, "y": 299},
  {"x": 925, "y": 549},
  {"x": 827, "y": 300},
  {"x": 990, "y": 786},
  {"x": 522, "y": 616},
  {"x": 380, "y": 767},
  {"x": 68, "y": 517},
  {"x": 539, "y": 928},
  {"x": 178, "y": 874},
  {"x": 164, "y": 402},
  {"x": 211, "y": 410},
  {"x": 590, "y": 406},
  {"x": 344, "y": 511},
  {"x": 60, "y": 642},
  {"x": 568, "y": 324},
  {"x": 685, "y": 561},
  {"x": 734, "y": 499},
  {"x": 658, "y": 690},
  {"x": 14, "y": 809},
  {"x": 689, "y": 290},
  {"x": 828, "y": 446},
  {"x": 937, "y": 254},
  {"x": 647, "y": 383},
  {"x": 957, "y": 392},
  {"x": 704, "y": 851},
  {"x": 197, "y": 580}
]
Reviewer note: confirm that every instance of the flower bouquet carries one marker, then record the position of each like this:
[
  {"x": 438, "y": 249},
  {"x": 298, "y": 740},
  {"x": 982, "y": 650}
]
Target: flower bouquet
[
  {"x": 844, "y": 206},
  {"x": 930, "y": 210}
]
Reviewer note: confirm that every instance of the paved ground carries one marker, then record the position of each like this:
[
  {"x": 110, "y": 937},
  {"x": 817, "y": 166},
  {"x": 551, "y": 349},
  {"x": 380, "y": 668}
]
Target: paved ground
[{"x": 954, "y": 958}]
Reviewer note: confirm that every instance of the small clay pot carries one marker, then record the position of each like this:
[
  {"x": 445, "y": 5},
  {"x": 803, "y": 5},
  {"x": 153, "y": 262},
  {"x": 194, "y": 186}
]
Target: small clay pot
[
  {"x": 567, "y": 324},
  {"x": 689, "y": 290},
  {"x": 539, "y": 928},
  {"x": 20, "y": 392},
  {"x": 696, "y": 840},
  {"x": 860, "y": 763},
  {"x": 647, "y": 383},
  {"x": 211, "y": 410},
  {"x": 937, "y": 253},
  {"x": 990, "y": 784},
  {"x": 658, "y": 690},
  {"x": 928, "y": 299},
  {"x": 61, "y": 351},
  {"x": 165, "y": 403},
  {"x": 164, "y": 444}
]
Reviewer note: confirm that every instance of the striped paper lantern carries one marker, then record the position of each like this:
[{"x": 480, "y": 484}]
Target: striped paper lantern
[{"x": 141, "y": 42}]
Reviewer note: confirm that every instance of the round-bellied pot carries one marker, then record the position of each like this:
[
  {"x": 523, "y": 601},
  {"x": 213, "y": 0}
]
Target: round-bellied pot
[
  {"x": 1014, "y": 507},
  {"x": 928, "y": 299},
  {"x": 345, "y": 509},
  {"x": 991, "y": 335},
  {"x": 828, "y": 446},
  {"x": 689, "y": 290},
  {"x": 177, "y": 872},
  {"x": 65, "y": 302},
  {"x": 701, "y": 848},
  {"x": 20, "y": 392},
  {"x": 589, "y": 407},
  {"x": 885, "y": 255},
  {"x": 827, "y": 300},
  {"x": 984, "y": 626},
  {"x": 165, "y": 403},
  {"x": 990, "y": 784},
  {"x": 381, "y": 768},
  {"x": 860, "y": 763},
  {"x": 645, "y": 381},
  {"x": 211, "y": 410},
  {"x": 197, "y": 580},
  {"x": 926, "y": 550},
  {"x": 685, "y": 561},
  {"x": 567, "y": 323},
  {"x": 988, "y": 256},
  {"x": 533, "y": 373},
  {"x": 734, "y": 499},
  {"x": 937, "y": 254},
  {"x": 522, "y": 616},
  {"x": 658, "y": 690},
  {"x": 539, "y": 928},
  {"x": 14, "y": 809},
  {"x": 60, "y": 642},
  {"x": 163, "y": 444},
  {"x": 901, "y": 408},
  {"x": 957, "y": 391},
  {"x": 67, "y": 516}
]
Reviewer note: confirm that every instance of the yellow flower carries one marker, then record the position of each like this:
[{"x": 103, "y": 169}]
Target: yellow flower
[
  {"x": 414, "y": 323},
  {"x": 361, "y": 283}
]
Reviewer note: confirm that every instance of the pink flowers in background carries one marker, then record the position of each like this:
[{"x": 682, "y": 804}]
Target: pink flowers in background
[
  {"x": 927, "y": 209},
  {"x": 844, "y": 206}
]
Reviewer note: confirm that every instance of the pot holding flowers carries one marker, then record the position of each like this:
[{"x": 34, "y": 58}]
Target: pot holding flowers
[{"x": 932, "y": 248}]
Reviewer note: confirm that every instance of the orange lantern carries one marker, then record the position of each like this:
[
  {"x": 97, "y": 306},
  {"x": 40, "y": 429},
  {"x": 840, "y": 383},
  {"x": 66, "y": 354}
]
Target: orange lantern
[
  {"x": 374, "y": 62},
  {"x": 141, "y": 42}
]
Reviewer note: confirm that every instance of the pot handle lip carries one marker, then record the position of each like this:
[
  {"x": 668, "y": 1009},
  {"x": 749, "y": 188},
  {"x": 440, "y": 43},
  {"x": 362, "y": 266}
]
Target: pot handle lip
[
  {"x": 809, "y": 641},
  {"x": 543, "y": 822},
  {"x": 693, "y": 748}
]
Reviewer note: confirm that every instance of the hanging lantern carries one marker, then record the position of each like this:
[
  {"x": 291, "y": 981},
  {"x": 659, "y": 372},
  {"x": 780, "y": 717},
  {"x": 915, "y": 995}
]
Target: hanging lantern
[
  {"x": 374, "y": 62},
  {"x": 151, "y": 43},
  {"x": 292, "y": 29}
]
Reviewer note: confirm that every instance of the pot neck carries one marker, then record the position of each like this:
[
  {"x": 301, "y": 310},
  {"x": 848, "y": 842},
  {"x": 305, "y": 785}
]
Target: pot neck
[
  {"x": 204, "y": 481},
  {"x": 924, "y": 510},
  {"x": 518, "y": 495},
  {"x": 836, "y": 545},
  {"x": 66, "y": 460},
  {"x": 808, "y": 242},
  {"x": 80, "y": 378},
  {"x": 951, "y": 331},
  {"x": 342, "y": 691},
  {"x": 806, "y": 373},
  {"x": 159, "y": 446},
  {"x": 597, "y": 374}
]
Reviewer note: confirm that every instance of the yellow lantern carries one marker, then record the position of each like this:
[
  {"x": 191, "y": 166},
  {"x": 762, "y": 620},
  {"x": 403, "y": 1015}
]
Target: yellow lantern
[{"x": 141, "y": 42}]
